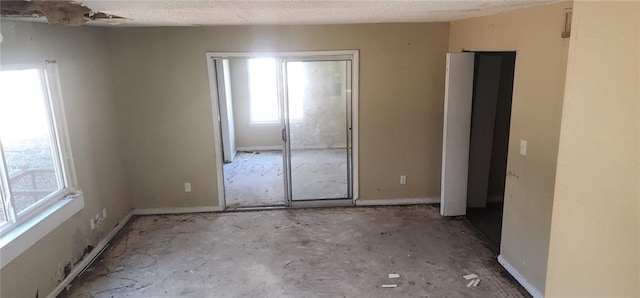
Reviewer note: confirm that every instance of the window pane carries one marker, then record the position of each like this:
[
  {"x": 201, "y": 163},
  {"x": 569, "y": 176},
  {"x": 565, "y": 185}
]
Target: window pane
[
  {"x": 263, "y": 90},
  {"x": 26, "y": 136}
]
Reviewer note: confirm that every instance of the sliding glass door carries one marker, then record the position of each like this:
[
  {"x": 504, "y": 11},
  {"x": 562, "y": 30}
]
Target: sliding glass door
[
  {"x": 318, "y": 101},
  {"x": 285, "y": 128}
]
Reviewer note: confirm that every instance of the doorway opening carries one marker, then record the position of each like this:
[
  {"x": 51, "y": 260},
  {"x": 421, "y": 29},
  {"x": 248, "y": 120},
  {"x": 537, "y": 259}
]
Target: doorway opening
[
  {"x": 489, "y": 140},
  {"x": 286, "y": 128}
]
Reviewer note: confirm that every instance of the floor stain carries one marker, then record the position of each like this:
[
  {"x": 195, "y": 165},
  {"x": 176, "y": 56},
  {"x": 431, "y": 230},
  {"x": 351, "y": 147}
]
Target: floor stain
[{"x": 324, "y": 252}]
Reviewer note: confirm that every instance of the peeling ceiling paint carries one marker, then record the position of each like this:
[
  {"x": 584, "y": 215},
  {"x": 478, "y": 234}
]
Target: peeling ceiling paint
[
  {"x": 61, "y": 12},
  {"x": 294, "y": 12}
]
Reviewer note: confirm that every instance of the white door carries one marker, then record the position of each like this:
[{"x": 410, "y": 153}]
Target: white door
[{"x": 456, "y": 132}]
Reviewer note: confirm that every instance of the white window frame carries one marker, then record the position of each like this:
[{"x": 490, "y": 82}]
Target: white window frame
[{"x": 58, "y": 125}]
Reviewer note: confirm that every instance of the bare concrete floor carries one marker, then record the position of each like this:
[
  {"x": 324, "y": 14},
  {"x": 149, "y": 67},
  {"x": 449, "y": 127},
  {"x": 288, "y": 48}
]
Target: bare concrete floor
[
  {"x": 332, "y": 252},
  {"x": 255, "y": 179},
  {"x": 319, "y": 174}
]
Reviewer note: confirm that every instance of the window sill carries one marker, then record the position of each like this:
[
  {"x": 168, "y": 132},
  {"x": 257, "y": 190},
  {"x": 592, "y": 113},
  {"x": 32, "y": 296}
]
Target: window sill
[{"x": 20, "y": 238}]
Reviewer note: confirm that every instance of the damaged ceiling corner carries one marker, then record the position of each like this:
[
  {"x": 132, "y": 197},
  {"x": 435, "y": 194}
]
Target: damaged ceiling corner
[{"x": 68, "y": 13}]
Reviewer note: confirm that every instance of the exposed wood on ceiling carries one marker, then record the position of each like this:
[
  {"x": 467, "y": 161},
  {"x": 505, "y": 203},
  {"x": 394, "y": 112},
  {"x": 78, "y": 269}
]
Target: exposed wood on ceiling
[
  {"x": 67, "y": 13},
  {"x": 263, "y": 12}
]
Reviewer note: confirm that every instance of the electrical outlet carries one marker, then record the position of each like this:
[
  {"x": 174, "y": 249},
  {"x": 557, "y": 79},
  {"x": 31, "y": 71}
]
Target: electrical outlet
[
  {"x": 104, "y": 213},
  {"x": 187, "y": 187},
  {"x": 403, "y": 179},
  {"x": 92, "y": 223}
]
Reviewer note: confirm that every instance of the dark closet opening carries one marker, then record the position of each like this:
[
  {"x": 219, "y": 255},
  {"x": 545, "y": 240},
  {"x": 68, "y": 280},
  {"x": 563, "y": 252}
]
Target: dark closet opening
[{"x": 489, "y": 140}]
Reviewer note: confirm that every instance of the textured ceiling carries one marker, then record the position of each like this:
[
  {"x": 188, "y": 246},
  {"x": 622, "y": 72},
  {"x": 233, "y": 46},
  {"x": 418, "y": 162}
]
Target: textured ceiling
[{"x": 216, "y": 12}]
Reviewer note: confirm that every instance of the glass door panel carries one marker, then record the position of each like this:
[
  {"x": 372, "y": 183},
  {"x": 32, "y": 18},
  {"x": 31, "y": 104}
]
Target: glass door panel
[
  {"x": 251, "y": 123},
  {"x": 318, "y": 99}
]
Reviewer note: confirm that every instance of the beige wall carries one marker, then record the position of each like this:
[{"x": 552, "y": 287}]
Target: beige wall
[
  {"x": 162, "y": 99},
  {"x": 595, "y": 230},
  {"x": 163, "y": 93},
  {"x": 85, "y": 78},
  {"x": 537, "y": 104}
]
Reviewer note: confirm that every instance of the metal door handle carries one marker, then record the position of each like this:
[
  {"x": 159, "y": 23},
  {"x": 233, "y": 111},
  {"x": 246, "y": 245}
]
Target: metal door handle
[{"x": 284, "y": 134}]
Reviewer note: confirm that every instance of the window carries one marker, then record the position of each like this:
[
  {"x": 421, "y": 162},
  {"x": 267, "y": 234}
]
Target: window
[
  {"x": 263, "y": 90},
  {"x": 35, "y": 165}
]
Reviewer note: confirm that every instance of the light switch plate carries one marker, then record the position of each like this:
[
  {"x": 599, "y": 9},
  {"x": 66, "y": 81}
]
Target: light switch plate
[
  {"x": 187, "y": 187},
  {"x": 523, "y": 147}
]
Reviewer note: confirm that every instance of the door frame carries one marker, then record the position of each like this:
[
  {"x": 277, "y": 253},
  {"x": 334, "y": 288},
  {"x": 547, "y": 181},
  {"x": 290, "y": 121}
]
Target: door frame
[
  {"x": 215, "y": 110},
  {"x": 453, "y": 196}
]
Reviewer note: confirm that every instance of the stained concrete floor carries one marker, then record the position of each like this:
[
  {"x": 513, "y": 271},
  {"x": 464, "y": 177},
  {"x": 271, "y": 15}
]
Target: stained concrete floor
[
  {"x": 255, "y": 179},
  {"x": 328, "y": 252}
]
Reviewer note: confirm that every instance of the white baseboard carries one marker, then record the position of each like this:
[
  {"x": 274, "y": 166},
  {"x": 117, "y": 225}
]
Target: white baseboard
[
  {"x": 404, "y": 201},
  {"x": 523, "y": 281},
  {"x": 88, "y": 259},
  {"x": 177, "y": 210}
]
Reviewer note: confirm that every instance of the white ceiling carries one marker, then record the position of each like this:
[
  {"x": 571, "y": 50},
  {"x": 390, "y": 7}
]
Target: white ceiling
[{"x": 296, "y": 12}]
